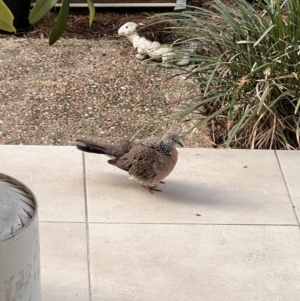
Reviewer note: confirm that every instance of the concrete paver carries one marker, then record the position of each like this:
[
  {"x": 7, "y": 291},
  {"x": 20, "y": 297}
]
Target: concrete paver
[
  {"x": 194, "y": 262},
  {"x": 64, "y": 266},
  {"x": 207, "y": 186},
  {"x": 54, "y": 174}
]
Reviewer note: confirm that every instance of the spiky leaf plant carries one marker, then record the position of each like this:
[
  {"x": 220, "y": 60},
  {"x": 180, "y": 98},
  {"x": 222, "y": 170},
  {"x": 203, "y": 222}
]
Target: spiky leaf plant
[{"x": 248, "y": 71}]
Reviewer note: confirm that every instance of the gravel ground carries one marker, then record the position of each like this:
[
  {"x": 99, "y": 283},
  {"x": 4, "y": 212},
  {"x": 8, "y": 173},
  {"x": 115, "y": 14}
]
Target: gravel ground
[{"x": 94, "y": 89}]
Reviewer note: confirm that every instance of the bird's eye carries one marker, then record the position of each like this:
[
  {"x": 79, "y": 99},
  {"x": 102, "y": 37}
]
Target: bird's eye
[{"x": 126, "y": 26}]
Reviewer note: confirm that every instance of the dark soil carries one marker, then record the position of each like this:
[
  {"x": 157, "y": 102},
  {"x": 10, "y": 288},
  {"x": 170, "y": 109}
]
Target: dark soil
[{"x": 106, "y": 23}]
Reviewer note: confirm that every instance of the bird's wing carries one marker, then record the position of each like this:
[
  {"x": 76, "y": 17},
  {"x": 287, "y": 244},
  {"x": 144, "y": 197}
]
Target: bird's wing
[{"x": 141, "y": 161}]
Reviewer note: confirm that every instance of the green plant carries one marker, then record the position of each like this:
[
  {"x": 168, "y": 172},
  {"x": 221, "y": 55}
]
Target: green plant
[
  {"x": 248, "y": 70},
  {"x": 42, "y": 7},
  {"x": 6, "y": 18}
]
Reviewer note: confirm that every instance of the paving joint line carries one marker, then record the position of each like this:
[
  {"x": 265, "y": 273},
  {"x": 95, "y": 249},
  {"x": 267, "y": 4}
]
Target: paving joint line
[
  {"x": 183, "y": 224},
  {"x": 88, "y": 248},
  {"x": 287, "y": 188},
  {"x": 62, "y": 222}
]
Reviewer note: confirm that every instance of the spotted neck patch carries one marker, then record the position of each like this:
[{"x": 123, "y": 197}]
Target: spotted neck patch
[{"x": 162, "y": 148}]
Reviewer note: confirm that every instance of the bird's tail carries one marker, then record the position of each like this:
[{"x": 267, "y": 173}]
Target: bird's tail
[
  {"x": 113, "y": 151},
  {"x": 91, "y": 147}
]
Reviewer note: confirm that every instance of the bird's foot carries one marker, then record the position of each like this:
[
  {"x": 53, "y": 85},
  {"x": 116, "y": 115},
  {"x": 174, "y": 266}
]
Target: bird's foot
[{"x": 151, "y": 188}]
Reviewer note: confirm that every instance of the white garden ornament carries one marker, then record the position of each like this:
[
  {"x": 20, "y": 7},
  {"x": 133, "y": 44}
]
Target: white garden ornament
[{"x": 146, "y": 48}]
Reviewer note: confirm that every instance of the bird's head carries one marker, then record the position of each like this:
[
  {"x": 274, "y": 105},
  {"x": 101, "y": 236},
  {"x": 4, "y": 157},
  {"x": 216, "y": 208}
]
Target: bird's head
[{"x": 171, "y": 138}]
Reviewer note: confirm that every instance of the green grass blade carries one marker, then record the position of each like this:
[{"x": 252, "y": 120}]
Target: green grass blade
[
  {"x": 297, "y": 106},
  {"x": 263, "y": 98},
  {"x": 209, "y": 118},
  {"x": 211, "y": 78},
  {"x": 297, "y": 126},
  {"x": 263, "y": 35},
  {"x": 235, "y": 129}
]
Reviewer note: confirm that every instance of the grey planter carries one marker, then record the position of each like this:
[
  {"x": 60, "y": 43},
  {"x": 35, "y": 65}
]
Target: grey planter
[{"x": 19, "y": 242}]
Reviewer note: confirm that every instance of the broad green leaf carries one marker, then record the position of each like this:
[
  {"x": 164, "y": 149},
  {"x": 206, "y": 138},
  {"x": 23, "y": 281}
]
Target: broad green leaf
[
  {"x": 40, "y": 9},
  {"x": 6, "y": 18},
  {"x": 92, "y": 11},
  {"x": 60, "y": 23}
]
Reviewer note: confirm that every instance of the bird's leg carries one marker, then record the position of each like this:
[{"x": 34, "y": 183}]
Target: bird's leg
[{"x": 152, "y": 188}]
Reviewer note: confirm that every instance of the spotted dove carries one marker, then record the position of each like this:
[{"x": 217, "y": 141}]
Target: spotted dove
[{"x": 148, "y": 160}]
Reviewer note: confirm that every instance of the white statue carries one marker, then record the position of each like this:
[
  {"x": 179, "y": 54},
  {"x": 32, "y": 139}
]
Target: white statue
[{"x": 165, "y": 53}]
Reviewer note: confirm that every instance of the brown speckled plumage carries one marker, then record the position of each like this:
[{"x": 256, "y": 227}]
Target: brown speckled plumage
[{"x": 148, "y": 160}]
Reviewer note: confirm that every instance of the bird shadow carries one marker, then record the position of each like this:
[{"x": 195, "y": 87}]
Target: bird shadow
[
  {"x": 174, "y": 190},
  {"x": 192, "y": 193}
]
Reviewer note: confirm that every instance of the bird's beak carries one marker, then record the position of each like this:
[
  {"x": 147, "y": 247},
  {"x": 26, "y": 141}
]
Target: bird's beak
[{"x": 179, "y": 143}]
